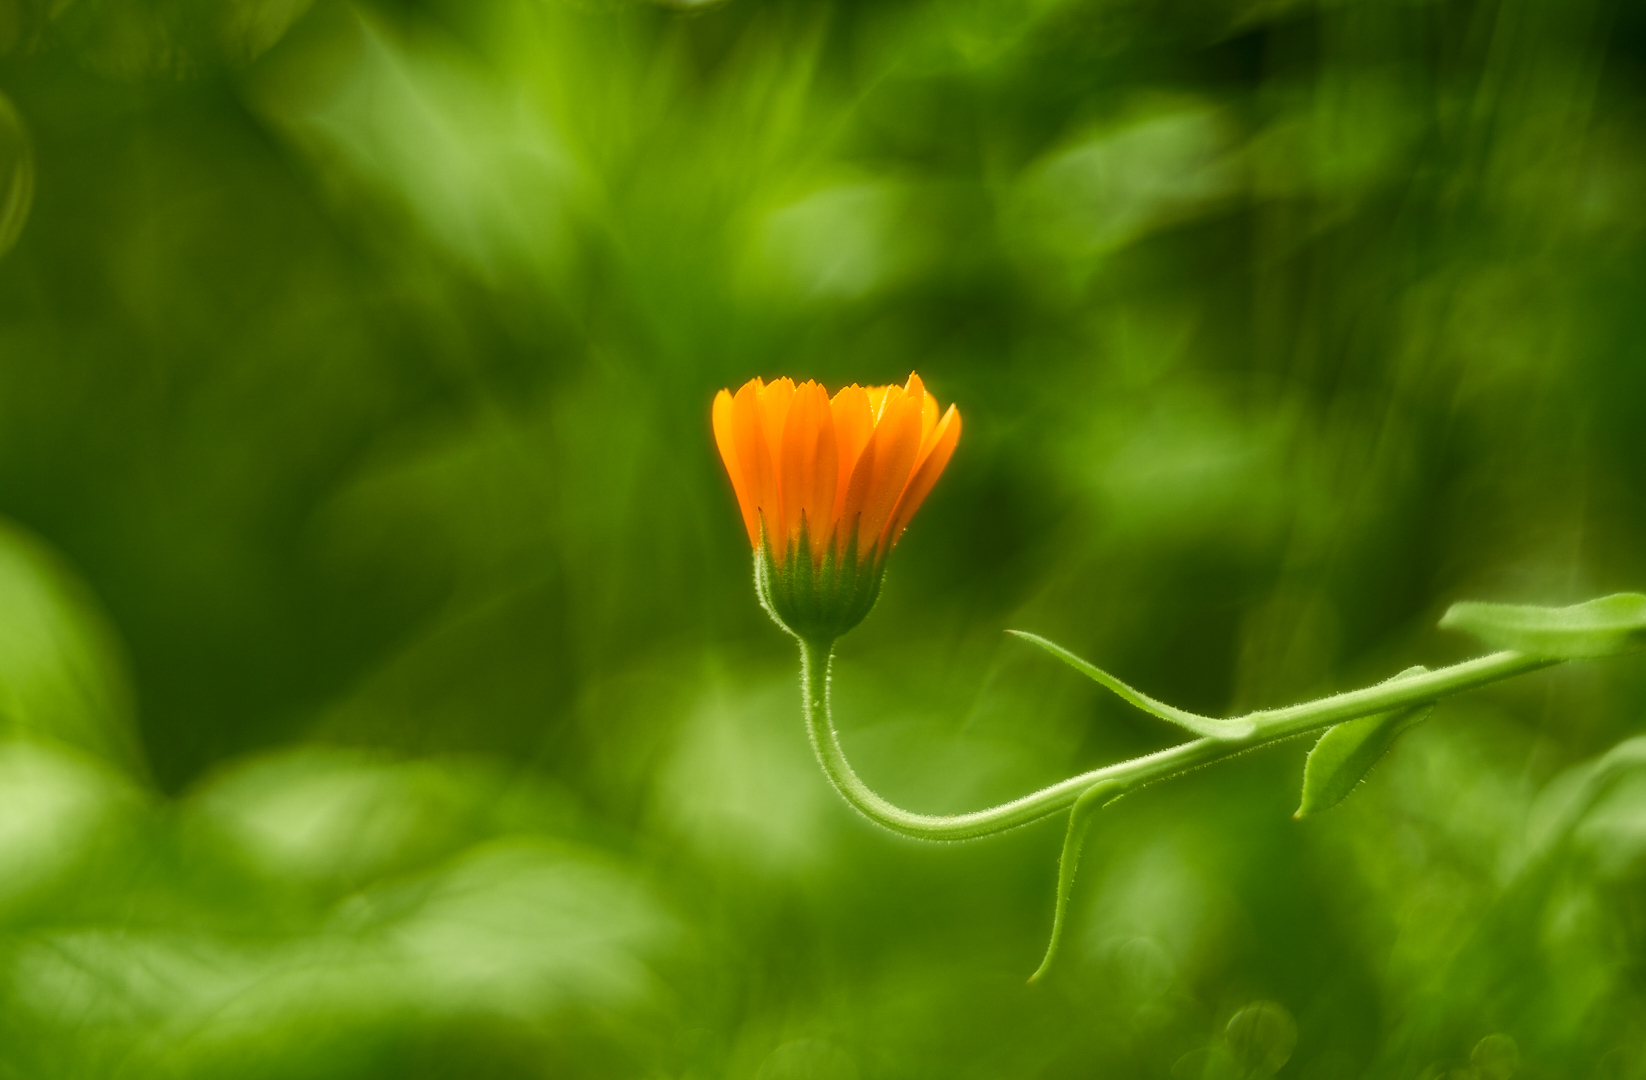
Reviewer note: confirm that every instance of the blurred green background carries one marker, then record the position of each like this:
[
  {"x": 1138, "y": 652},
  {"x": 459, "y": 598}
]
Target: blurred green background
[{"x": 383, "y": 688}]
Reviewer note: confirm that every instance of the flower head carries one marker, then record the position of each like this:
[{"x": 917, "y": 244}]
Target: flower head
[{"x": 827, "y": 486}]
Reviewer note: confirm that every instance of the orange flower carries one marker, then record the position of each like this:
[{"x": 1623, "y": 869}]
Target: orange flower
[{"x": 831, "y": 482}]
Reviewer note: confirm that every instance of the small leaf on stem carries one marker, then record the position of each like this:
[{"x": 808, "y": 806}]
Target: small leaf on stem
[{"x": 1347, "y": 751}]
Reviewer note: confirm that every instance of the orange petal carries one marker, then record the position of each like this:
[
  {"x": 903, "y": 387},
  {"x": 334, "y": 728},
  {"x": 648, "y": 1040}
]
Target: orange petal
[
  {"x": 933, "y": 462},
  {"x": 753, "y": 457},
  {"x": 798, "y": 465},
  {"x": 825, "y": 479},
  {"x": 928, "y": 423},
  {"x": 774, "y": 409},
  {"x": 877, "y": 400},
  {"x": 916, "y": 389},
  {"x": 727, "y": 442},
  {"x": 775, "y": 399},
  {"x": 824, "y": 472},
  {"x": 883, "y": 471},
  {"x": 853, "y": 424}
]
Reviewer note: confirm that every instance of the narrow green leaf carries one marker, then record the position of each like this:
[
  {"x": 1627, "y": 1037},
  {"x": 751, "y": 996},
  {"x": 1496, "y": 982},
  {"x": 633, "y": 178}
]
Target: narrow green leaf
[
  {"x": 1604, "y": 627},
  {"x": 1208, "y": 726},
  {"x": 1347, "y": 751},
  {"x": 1080, "y": 816}
]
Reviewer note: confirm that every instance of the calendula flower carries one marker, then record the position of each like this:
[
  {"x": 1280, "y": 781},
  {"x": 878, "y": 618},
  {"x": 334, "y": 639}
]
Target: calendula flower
[{"x": 827, "y": 486}]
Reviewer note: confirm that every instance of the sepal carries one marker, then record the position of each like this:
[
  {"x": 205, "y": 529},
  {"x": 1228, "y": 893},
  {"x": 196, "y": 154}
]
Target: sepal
[{"x": 816, "y": 600}]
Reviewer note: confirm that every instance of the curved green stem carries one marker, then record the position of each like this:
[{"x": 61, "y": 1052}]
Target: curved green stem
[{"x": 1266, "y": 726}]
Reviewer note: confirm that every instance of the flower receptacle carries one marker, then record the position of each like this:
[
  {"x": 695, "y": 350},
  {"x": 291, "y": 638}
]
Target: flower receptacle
[{"x": 816, "y": 600}]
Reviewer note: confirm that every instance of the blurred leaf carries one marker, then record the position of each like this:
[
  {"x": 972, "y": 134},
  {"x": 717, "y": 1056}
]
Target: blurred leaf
[
  {"x": 55, "y": 808},
  {"x": 1183, "y": 463},
  {"x": 1347, "y": 135},
  {"x": 415, "y": 119},
  {"x": 1214, "y": 1062},
  {"x": 1159, "y": 908},
  {"x": 839, "y": 243},
  {"x": 61, "y": 673},
  {"x": 1496, "y": 1057},
  {"x": 16, "y": 174},
  {"x": 137, "y": 38},
  {"x": 1346, "y": 752},
  {"x": 335, "y": 817},
  {"x": 523, "y": 925},
  {"x": 1599, "y": 806},
  {"x": 743, "y": 791},
  {"x": 1163, "y": 163},
  {"x": 1604, "y": 627},
  {"x": 808, "y": 1059},
  {"x": 1261, "y": 1038},
  {"x": 549, "y": 943}
]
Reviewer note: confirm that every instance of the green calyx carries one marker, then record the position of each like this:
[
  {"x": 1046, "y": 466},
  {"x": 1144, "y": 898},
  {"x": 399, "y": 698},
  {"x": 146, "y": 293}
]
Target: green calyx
[{"x": 816, "y": 601}]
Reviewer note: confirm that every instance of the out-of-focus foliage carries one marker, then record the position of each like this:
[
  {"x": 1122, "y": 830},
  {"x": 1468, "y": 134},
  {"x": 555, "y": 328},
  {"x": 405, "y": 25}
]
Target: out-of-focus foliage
[
  {"x": 16, "y": 175},
  {"x": 383, "y": 691}
]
